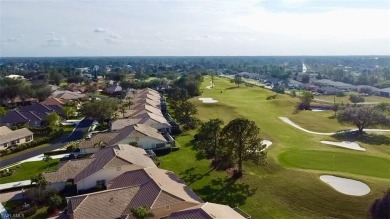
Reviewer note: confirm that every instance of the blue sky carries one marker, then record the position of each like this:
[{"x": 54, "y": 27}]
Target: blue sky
[{"x": 196, "y": 27}]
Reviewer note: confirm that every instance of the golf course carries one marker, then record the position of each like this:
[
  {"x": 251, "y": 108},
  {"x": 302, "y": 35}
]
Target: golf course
[{"x": 288, "y": 185}]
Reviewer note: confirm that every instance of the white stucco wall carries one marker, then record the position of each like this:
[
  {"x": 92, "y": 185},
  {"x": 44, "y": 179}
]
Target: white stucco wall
[
  {"x": 107, "y": 174},
  {"x": 145, "y": 142}
]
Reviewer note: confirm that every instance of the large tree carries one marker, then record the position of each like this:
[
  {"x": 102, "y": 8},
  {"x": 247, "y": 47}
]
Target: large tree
[
  {"x": 238, "y": 80},
  {"x": 242, "y": 141},
  {"x": 184, "y": 113},
  {"x": 363, "y": 117},
  {"x": 208, "y": 136},
  {"x": 40, "y": 182},
  {"x": 306, "y": 98},
  {"x": 100, "y": 109}
]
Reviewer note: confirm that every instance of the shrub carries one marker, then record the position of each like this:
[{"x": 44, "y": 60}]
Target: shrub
[
  {"x": 29, "y": 212},
  {"x": 340, "y": 94}
]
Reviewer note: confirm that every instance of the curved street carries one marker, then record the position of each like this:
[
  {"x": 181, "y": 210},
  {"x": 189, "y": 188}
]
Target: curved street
[{"x": 77, "y": 134}]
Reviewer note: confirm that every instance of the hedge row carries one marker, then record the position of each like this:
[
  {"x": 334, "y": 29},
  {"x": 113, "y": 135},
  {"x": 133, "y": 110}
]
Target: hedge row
[{"x": 32, "y": 144}]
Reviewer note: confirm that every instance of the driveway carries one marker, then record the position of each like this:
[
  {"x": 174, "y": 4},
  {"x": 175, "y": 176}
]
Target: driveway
[{"x": 77, "y": 134}]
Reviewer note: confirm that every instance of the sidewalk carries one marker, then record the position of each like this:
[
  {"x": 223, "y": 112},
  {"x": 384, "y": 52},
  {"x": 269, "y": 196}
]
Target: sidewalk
[{"x": 14, "y": 184}]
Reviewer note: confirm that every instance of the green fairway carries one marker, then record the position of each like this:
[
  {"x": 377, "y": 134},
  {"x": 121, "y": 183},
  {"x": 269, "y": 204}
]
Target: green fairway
[
  {"x": 29, "y": 169},
  {"x": 339, "y": 162},
  {"x": 288, "y": 186}
]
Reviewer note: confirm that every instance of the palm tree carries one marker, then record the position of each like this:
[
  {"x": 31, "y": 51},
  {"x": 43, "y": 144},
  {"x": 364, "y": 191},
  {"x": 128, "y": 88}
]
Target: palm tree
[
  {"x": 141, "y": 212},
  {"x": 122, "y": 109}
]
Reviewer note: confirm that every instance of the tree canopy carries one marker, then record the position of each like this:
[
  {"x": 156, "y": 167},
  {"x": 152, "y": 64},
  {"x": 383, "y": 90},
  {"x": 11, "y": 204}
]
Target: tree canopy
[
  {"x": 380, "y": 208},
  {"x": 356, "y": 98},
  {"x": 185, "y": 114},
  {"x": 241, "y": 140},
  {"x": 100, "y": 109},
  {"x": 141, "y": 213},
  {"x": 363, "y": 117},
  {"x": 207, "y": 138}
]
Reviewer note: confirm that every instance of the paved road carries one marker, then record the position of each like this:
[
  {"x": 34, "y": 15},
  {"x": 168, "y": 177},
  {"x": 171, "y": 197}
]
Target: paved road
[{"x": 77, "y": 134}]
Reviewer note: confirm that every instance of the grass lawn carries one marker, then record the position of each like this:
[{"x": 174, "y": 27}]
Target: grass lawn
[
  {"x": 345, "y": 99},
  {"x": 288, "y": 186},
  {"x": 29, "y": 169}
]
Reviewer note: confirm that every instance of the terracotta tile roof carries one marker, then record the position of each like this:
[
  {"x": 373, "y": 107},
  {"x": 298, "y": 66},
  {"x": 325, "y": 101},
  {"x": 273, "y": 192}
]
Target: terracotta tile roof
[
  {"x": 106, "y": 137},
  {"x": 157, "y": 118},
  {"x": 68, "y": 170},
  {"x": 147, "y": 108},
  {"x": 154, "y": 103},
  {"x": 4, "y": 130},
  {"x": 107, "y": 204},
  {"x": 121, "y": 123},
  {"x": 131, "y": 190},
  {"x": 117, "y": 155},
  {"x": 14, "y": 135},
  {"x": 207, "y": 211}
]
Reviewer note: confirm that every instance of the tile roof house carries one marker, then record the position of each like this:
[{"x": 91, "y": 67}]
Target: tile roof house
[
  {"x": 207, "y": 211},
  {"x": 142, "y": 101},
  {"x": 34, "y": 114},
  {"x": 10, "y": 138},
  {"x": 145, "y": 136},
  {"x": 385, "y": 92},
  {"x": 68, "y": 95},
  {"x": 146, "y": 118},
  {"x": 103, "y": 166},
  {"x": 160, "y": 190}
]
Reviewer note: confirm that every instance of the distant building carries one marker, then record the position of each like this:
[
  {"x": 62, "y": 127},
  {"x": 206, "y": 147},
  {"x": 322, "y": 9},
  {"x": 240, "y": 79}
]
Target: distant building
[{"x": 384, "y": 92}]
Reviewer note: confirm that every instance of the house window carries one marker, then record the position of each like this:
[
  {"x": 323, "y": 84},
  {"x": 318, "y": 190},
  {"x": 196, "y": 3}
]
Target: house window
[
  {"x": 28, "y": 138},
  {"x": 101, "y": 182},
  {"x": 18, "y": 141}
]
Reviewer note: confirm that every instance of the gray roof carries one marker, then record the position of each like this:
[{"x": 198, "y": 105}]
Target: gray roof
[
  {"x": 14, "y": 135},
  {"x": 387, "y": 90}
]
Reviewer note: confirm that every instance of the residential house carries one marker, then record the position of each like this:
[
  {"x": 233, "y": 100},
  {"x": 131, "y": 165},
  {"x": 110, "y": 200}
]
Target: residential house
[
  {"x": 155, "y": 104},
  {"x": 208, "y": 211},
  {"x": 9, "y": 138},
  {"x": 293, "y": 84},
  {"x": 145, "y": 108},
  {"x": 105, "y": 165},
  {"x": 76, "y": 87},
  {"x": 159, "y": 190},
  {"x": 384, "y": 92},
  {"x": 17, "y": 101},
  {"x": 145, "y": 136},
  {"x": 34, "y": 115},
  {"x": 68, "y": 95},
  {"x": 156, "y": 121}
]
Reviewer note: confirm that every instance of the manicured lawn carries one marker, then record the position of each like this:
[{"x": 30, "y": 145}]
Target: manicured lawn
[
  {"x": 30, "y": 169},
  {"x": 345, "y": 99},
  {"x": 355, "y": 163},
  {"x": 278, "y": 189}
]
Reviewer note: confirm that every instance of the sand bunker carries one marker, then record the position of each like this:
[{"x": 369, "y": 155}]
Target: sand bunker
[
  {"x": 317, "y": 110},
  {"x": 208, "y": 100},
  {"x": 267, "y": 144},
  {"x": 345, "y": 144},
  {"x": 346, "y": 186}
]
